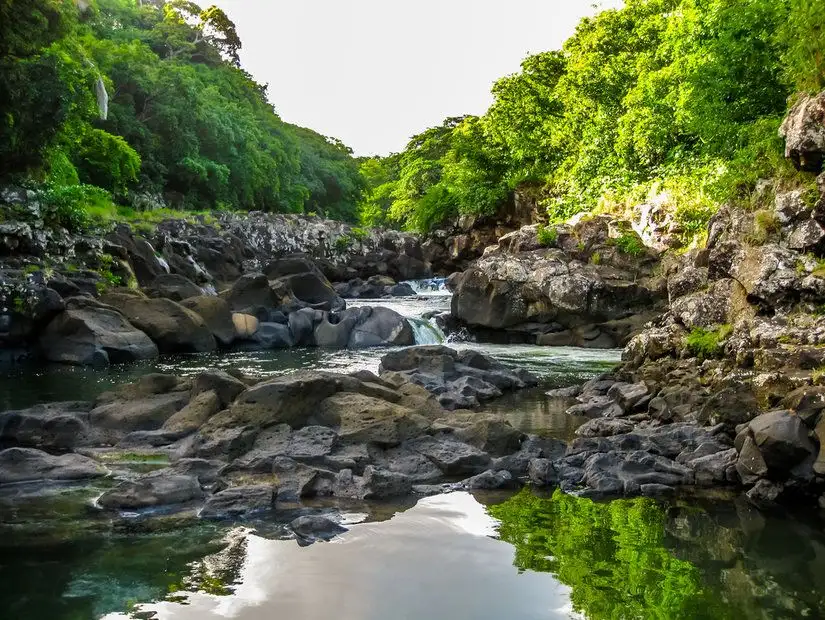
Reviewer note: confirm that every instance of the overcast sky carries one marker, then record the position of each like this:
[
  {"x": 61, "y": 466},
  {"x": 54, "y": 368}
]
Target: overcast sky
[{"x": 375, "y": 72}]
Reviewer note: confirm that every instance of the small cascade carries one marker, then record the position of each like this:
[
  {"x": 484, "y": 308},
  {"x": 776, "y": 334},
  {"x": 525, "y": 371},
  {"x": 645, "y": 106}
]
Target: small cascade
[
  {"x": 209, "y": 290},
  {"x": 163, "y": 263},
  {"x": 426, "y": 332},
  {"x": 430, "y": 286}
]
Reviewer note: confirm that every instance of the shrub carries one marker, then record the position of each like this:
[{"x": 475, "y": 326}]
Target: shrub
[
  {"x": 547, "y": 236},
  {"x": 707, "y": 343},
  {"x": 77, "y": 208},
  {"x": 630, "y": 244}
]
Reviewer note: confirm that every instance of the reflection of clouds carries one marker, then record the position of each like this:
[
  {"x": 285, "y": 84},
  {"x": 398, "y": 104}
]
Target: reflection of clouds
[{"x": 436, "y": 560}]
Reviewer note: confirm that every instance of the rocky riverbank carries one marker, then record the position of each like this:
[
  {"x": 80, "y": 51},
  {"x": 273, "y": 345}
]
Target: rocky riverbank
[{"x": 235, "y": 445}]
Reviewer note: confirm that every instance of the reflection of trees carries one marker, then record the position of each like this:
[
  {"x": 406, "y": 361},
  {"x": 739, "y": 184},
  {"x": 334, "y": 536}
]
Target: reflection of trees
[
  {"x": 611, "y": 555},
  {"x": 623, "y": 560}
]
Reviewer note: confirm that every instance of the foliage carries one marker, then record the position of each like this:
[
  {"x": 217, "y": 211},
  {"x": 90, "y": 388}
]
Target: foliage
[
  {"x": 76, "y": 208},
  {"x": 707, "y": 343},
  {"x": 547, "y": 235},
  {"x": 629, "y": 244},
  {"x": 765, "y": 225},
  {"x": 613, "y": 556},
  {"x": 678, "y": 99},
  {"x": 184, "y": 120}
]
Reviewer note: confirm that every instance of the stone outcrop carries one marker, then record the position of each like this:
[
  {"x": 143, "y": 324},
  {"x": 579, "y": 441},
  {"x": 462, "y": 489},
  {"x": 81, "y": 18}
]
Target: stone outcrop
[
  {"x": 804, "y": 132},
  {"x": 585, "y": 291}
]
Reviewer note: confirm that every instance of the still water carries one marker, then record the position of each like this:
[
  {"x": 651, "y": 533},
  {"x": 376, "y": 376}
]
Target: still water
[{"x": 451, "y": 557}]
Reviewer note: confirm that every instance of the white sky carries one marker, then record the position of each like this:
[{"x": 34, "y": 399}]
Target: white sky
[{"x": 375, "y": 72}]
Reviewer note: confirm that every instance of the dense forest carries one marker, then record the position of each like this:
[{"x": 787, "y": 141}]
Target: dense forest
[
  {"x": 144, "y": 102},
  {"x": 679, "y": 99}
]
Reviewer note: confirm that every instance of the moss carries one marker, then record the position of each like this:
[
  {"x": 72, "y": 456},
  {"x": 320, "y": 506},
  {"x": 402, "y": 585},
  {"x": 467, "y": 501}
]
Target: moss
[{"x": 707, "y": 343}]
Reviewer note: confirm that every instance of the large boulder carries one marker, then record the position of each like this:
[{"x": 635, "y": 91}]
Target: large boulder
[
  {"x": 804, "y": 132},
  {"x": 172, "y": 327},
  {"x": 380, "y": 326},
  {"x": 156, "y": 489},
  {"x": 142, "y": 414},
  {"x": 173, "y": 286},
  {"x": 29, "y": 465},
  {"x": 216, "y": 314},
  {"x": 236, "y": 502},
  {"x": 88, "y": 332},
  {"x": 55, "y": 426},
  {"x": 364, "y": 419},
  {"x": 782, "y": 439},
  {"x": 250, "y": 293}
]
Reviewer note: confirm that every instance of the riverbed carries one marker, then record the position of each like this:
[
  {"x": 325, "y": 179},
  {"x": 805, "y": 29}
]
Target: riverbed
[{"x": 454, "y": 556}]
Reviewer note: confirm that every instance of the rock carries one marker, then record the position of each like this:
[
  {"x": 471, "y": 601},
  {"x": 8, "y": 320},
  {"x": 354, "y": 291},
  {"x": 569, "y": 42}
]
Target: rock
[
  {"x": 604, "y": 427},
  {"x": 402, "y": 460},
  {"x": 314, "y": 289},
  {"x": 489, "y": 480},
  {"x": 302, "y": 326},
  {"x": 222, "y": 383},
  {"x": 374, "y": 484},
  {"x": 88, "y": 332},
  {"x": 296, "y": 480},
  {"x": 29, "y": 465},
  {"x": 804, "y": 132},
  {"x": 364, "y": 419},
  {"x": 143, "y": 414},
  {"x": 487, "y": 432},
  {"x": 238, "y": 502},
  {"x": 195, "y": 414},
  {"x": 311, "y": 445},
  {"x": 627, "y": 395},
  {"x": 290, "y": 265},
  {"x": 750, "y": 465},
  {"x": 173, "y": 286},
  {"x": 452, "y": 457},
  {"x": 250, "y": 293},
  {"x": 215, "y": 313},
  {"x": 782, "y": 439},
  {"x": 809, "y": 236},
  {"x": 225, "y": 443},
  {"x": 273, "y": 336},
  {"x": 381, "y": 327},
  {"x": 154, "y": 489},
  {"x": 204, "y": 470},
  {"x": 716, "y": 468},
  {"x": 245, "y": 325},
  {"x": 542, "y": 472},
  {"x": 54, "y": 426},
  {"x": 292, "y": 399},
  {"x": 172, "y": 327},
  {"x": 314, "y": 528}
]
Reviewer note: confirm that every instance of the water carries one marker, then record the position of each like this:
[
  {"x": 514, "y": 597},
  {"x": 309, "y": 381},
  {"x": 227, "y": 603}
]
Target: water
[{"x": 451, "y": 557}]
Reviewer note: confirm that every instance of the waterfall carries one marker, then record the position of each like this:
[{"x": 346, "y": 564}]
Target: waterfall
[
  {"x": 430, "y": 286},
  {"x": 426, "y": 332}
]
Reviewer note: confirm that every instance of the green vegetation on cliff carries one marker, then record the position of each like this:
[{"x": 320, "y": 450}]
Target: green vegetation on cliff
[
  {"x": 679, "y": 99},
  {"x": 145, "y": 98}
]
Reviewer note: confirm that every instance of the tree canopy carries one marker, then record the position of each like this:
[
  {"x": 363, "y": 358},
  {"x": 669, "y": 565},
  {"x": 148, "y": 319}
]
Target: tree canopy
[
  {"x": 184, "y": 120},
  {"x": 677, "y": 96}
]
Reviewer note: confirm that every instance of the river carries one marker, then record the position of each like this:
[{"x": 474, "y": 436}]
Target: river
[{"x": 456, "y": 556}]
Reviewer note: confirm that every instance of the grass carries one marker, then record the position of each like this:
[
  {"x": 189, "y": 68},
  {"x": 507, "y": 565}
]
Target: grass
[
  {"x": 765, "y": 225},
  {"x": 708, "y": 343}
]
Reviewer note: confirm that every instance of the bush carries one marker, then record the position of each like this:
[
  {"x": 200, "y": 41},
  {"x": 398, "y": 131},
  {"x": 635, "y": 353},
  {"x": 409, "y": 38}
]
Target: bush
[
  {"x": 707, "y": 343},
  {"x": 77, "y": 208},
  {"x": 547, "y": 236},
  {"x": 630, "y": 244},
  {"x": 765, "y": 225}
]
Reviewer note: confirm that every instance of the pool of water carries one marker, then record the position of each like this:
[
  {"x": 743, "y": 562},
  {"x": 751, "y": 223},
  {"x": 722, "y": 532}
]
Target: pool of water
[{"x": 452, "y": 557}]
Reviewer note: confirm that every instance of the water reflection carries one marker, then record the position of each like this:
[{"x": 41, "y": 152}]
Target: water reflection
[{"x": 642, "y": 559}]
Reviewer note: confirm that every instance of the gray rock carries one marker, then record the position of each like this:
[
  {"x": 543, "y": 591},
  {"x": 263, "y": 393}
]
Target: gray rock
[
  {"x": 88, "y": 332},
  {"x": 804, "y": 132},
  {"x": 273, "y": 336},
  {"x": 750, "y": 465},
  {"x": 155, "y": 489},
  {"x": 239, "y": 502},
  {"x": 490, "y": 480},
  {"x": 55, "y": 426},
  {"x": 453, "y": 458},
  {"x": 142, "y": 414},
  {"x": 29, "y": 465},
  {"x": 225, "y": 386},
  {"x": 381, "y": 327},
  {"x": 604, "y": 427},
  {"x": 173, "y": 286},
  {"x": 627, "y": 395},
  {"x": 216, "y": 314},
  {"x": 782, "y": 439},
  {"x": 204, "y": 470},
  {"x": 315, "y": 528},
  {"x": 374, "y": 484}
]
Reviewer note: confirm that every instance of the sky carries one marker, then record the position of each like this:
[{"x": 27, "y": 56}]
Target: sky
[{"x": 373, "y": 73}]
